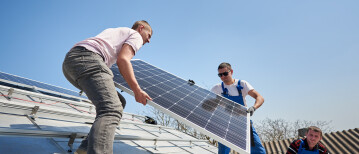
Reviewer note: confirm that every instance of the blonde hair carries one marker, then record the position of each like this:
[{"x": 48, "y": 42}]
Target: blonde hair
[
  {"x": 143, "y": 23},
  {"x": 315, "y": 129}
]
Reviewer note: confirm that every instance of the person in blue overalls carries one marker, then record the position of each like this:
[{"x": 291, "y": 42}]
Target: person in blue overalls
[
  {"x": 310, "y": 144},
  {"x": 236, "y": 90}
]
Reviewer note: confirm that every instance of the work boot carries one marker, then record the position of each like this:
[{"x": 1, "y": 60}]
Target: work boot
[{"x": 80, "y": 151}]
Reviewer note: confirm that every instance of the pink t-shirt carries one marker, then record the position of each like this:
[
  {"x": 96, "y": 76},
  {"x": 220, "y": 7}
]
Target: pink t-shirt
[{"x": 109, "y": 43}]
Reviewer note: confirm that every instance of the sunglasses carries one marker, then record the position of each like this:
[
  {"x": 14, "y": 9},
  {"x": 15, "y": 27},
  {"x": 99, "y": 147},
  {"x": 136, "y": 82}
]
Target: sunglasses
[{"x": 224, "y": 73}]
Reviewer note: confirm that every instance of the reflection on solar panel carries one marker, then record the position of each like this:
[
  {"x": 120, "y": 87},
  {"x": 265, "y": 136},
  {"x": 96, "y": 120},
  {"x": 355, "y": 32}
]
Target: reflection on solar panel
[
  {"x": 39, "y": 86},
  {"x": 213, "y": 115}
]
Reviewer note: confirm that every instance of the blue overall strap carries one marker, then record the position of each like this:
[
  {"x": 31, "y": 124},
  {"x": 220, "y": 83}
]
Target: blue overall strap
[
  {"x": 302, "y": 150},
  {"x": 238, "y": 99},
  {"x": 239, "y": 88},
  {"x": 224, "y": 90}
]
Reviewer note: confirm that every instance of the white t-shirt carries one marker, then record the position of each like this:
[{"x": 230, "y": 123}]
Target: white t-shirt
[
  {"x": 109, "y": 43},
  {"x": 232, "y": 89}
]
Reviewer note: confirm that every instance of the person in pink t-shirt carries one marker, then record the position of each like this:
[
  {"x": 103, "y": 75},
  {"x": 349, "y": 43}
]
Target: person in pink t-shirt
[{"x": 87, "y": 67}]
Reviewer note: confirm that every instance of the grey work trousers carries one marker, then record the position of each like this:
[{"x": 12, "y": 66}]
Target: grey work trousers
[{"x": 87, "y": 71}]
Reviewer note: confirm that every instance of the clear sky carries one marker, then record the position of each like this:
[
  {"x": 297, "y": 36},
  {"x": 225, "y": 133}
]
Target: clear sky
[{"x": 302, "y": 56}]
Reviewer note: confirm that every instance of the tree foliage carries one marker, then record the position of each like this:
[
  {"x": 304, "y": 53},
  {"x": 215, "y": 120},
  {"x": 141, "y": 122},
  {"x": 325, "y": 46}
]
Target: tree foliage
[
  {"x": 165, "y": 120},
  {"x": 267, "y": 129},
  {"x": 279, "y": 129}
]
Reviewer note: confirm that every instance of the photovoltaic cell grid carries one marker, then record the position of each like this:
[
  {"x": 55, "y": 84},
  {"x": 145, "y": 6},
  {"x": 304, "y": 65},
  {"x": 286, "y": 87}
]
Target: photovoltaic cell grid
[
  {"x": 215, "y": 114},
  {"x": 30, "y": 83}
]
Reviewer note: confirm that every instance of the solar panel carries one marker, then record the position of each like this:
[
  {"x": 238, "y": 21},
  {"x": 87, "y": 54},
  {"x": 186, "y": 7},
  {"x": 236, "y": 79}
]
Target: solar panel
[
  {"x": 211, "y": 114},
  {"x": 39, "y": 86}
]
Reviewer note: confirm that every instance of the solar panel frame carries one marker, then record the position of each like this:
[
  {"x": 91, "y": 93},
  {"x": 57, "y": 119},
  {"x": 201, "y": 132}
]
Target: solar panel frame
[
  {"x": 36, "y": 85},
  {"x": 168, "y": 76}
]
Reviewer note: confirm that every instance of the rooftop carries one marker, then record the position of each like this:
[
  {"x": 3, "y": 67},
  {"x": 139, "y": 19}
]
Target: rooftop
[
  {"x": 42, "y": 123},
  {"x": 346, "y": 141}
]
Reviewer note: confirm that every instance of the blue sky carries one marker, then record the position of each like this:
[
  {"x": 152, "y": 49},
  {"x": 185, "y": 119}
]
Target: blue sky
[{"x": 302, "y": 56}]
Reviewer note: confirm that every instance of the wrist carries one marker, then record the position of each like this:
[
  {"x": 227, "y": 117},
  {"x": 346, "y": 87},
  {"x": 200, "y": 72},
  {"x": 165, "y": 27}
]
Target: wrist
[{"x": 136, "y": 90}]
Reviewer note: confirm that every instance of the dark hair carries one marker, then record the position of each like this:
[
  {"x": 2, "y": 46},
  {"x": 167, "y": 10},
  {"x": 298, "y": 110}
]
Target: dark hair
[{"x": 225, "y": 65}]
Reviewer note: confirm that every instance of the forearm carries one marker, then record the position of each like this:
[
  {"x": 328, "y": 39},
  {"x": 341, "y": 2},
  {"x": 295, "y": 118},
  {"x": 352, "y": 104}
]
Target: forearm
[
  {"x": 259, "y": 102},
  {"x": 258, "y": 97},
  {"x": 126, "y": 70},
  {"x": 293, "y": 147}
]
